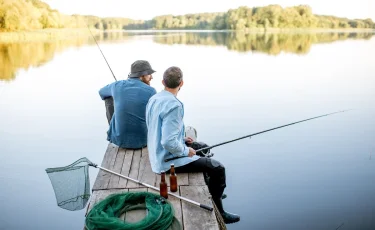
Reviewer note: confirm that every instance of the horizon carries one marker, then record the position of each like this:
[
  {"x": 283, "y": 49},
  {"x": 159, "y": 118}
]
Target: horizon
[{"x": 360, "y": 9}]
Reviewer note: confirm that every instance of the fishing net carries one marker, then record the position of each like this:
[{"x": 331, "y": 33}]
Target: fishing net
[
  {"x": 72, "y": 190},
  {"x": 107, "y": 213},
  {"x": 71, "y": 184}
]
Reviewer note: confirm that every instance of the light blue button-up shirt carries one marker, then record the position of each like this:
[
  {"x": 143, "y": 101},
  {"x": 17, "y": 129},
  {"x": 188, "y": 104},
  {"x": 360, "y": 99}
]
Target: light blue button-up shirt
[
  {"x": 128, "y": 128},
  {"x": 165, "y": 136}
]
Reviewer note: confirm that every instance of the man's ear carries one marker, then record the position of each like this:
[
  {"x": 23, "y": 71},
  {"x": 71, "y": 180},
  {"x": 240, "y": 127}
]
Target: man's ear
[
  {"x": 180, "y": 85},
  {"x": 162, "y": 81}
]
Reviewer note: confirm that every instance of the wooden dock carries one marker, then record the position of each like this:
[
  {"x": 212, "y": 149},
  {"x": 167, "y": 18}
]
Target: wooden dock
[{"x": 135, "y": 164}]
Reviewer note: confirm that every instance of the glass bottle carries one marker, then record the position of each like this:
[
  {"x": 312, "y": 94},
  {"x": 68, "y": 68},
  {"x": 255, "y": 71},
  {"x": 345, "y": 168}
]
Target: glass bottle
[
  {"x": 173, "y": 179},
  {"x": 163, "y": 186}
]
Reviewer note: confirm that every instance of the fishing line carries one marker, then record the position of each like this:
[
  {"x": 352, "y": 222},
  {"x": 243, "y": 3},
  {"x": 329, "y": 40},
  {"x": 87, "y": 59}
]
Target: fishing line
[{"x": 101, "y": 52}]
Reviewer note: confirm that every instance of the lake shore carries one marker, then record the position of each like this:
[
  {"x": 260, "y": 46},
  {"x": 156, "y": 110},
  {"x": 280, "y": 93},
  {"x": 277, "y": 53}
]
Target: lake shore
[
  {"x": 64, "y": 34},
  {"x": 44, "y": 35}
]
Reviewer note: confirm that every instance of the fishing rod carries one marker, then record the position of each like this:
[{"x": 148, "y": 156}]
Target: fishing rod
[
  {"x": 108, "y": 102},
  {"x": 254, "y": 134},
  {"x": 101, "y": 52}
]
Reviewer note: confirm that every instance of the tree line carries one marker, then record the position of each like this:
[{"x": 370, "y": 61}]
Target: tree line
[
  {"x": 245, "y": 18},
  {"x": 26, "y": 15},
  {"x": 20, "y": 15}
]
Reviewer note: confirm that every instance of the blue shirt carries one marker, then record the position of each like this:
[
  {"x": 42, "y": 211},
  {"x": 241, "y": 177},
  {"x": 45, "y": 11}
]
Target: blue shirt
[
  {"x": 128, "y": 128},
  {"x": 165, "y": 138}
]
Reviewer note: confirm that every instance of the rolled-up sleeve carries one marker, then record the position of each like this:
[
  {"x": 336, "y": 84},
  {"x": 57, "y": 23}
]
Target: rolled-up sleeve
[
  {"x": 171, "y": 127},
  {"x": 105, "y": 92}
]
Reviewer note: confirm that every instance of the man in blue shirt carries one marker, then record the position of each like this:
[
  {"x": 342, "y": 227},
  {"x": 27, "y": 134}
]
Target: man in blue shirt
[
  {"x": 127, "y": 127},
  {"x": 165, "y": 140}
]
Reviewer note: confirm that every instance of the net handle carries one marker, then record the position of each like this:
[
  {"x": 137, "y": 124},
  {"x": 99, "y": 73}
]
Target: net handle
[{"x": 206, "y": 207}]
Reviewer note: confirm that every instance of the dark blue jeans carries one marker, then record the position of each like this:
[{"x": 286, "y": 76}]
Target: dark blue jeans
[{"x": 214, "y": 174}]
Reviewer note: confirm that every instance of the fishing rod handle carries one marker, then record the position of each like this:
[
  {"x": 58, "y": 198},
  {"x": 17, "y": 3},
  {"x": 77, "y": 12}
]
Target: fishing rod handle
[
  {"x": 199, "y": 150},
  {"x": 206, "y": 207},
  {"x": 173, "y": 158}
]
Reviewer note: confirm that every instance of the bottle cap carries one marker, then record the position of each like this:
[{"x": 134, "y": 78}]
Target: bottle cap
[{"x": 172, "y": 164}]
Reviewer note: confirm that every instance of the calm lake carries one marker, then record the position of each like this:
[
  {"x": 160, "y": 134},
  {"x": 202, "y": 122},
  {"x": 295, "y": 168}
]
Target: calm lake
[{"x": 319, "y": 174}]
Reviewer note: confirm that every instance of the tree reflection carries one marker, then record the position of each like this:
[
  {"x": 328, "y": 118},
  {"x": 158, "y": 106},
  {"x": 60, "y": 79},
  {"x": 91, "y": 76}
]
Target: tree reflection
[
  {"x": 23, "y": 55},
  {"x": 270, "y": 43}
]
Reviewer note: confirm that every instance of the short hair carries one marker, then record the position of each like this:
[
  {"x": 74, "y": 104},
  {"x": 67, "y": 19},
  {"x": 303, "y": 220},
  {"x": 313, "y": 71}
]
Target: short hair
[{"x": 172, "y": 77}]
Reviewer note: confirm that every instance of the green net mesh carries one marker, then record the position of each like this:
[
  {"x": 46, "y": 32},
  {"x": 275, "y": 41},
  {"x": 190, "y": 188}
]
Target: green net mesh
[
  {"x": 72, "y": 190},
  {"x": 71, "y": 184},
  {"x": 106, "y": 214}
]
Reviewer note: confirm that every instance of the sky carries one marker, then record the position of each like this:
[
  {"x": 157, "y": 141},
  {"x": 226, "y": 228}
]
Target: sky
[{"x": 147, "y": 9}]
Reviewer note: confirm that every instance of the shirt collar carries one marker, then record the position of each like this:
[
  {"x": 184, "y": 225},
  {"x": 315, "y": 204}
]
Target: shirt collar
[
  {"x": 168, "y": 93},
  {"x": 171, "y": 94},
  {"x": 134, "y": 78}
]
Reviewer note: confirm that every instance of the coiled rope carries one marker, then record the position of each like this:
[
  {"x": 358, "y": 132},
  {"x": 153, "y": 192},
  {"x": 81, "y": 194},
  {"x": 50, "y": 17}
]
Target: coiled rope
[{"x": 106, "y": 214}]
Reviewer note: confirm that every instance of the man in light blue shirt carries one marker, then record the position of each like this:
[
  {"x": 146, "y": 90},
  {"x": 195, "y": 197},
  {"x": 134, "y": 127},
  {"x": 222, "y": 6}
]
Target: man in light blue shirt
[
  {"x": 165, "y": 140},
  {"x": 127, "y": 127}
]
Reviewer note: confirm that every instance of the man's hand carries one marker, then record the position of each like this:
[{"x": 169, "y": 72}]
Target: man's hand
[
  {"x": 191, "y": 152},
  {"x": 188, "y": 140}
]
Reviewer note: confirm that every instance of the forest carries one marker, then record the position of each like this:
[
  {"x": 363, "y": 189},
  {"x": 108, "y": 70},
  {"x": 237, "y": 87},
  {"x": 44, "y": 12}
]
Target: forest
[{"x": 28, "y": 15}]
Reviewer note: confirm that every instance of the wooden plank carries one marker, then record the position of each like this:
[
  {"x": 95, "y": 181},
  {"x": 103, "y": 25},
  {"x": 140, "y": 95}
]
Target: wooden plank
[
  {"x": 92, "y": 202},
  {"x": 114, "y": 180},
  {"x": 182, "y": 178},
  {"x": 103, "y": 177},
  {"x": 134, "y": 169},
  {"x": 135, "y": 215},
  {"x": 126, "y": 165},
  {"x": 176, "y": 203},
  {"x": 138, "y": 189},
  {"x": 110, "y": 167},
  {"x": 196, "y": 179},
  {"x": 146, "y": 175},
  {"x": 195, "y": 217}
]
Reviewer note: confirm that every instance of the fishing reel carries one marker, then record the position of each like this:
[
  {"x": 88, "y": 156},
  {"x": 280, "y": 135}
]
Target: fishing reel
[{"x": 200, "y": 145}]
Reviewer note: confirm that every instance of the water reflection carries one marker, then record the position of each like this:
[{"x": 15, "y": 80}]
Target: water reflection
[
  {"x": 23, "y": 55},
  {"x": 16, "y": 56},
  {"x": 270, "y": 43}
]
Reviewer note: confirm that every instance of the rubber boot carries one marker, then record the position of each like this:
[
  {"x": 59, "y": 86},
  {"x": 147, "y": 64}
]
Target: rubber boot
[{"x": 228, "y": 217}]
